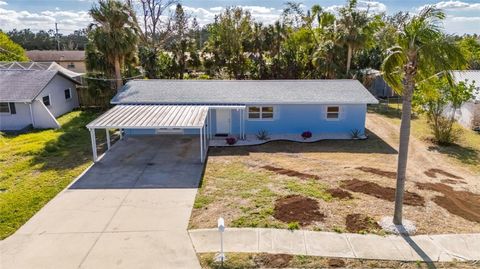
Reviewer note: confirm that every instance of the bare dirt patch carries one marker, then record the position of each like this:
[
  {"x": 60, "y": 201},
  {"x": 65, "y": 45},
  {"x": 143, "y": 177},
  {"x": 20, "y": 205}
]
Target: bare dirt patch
[
  {"x": 290, "y": 173},
  {"x": 379, "y": 172},
  {"x": 339, "y": 193},
  {"x": 273, "y": 260},
  {"x": 453, "y": 182},
  {"x": 461, "y": 203},
  {"x": 385, "y": 193},
  {"x": 336, "y": 263},
  {"x": 434, "y": 171},
  {"x": 358, "y": 223},
  {"x": 298, "y": 208}
]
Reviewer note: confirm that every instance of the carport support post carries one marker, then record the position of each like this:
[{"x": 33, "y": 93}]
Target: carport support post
[
  {"x": 201, "y": 144},
  {"x": 108, "y": 138},
  {"x": 94, "y": 144}
]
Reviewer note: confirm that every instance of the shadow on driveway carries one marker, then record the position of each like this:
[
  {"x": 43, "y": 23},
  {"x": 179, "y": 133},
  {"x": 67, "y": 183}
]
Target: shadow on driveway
[{"x": 166, "y": 161}]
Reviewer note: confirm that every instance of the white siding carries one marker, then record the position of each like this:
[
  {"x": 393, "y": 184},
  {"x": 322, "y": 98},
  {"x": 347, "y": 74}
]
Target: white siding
[
  {"x": 42, "y": 117},
  {"x": 16, "y": 121},
  {"x": 56, "y": 89}
]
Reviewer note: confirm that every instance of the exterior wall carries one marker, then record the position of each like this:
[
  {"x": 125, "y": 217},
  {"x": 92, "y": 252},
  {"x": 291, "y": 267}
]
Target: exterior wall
[
  {"x": 79, "y": 66},
  {"x": 18, "y": 121},
  {"x": 42, "y": 117},
  {"x": 58, "y": 104},
  {"x": 295, "y": 119},
  {"x": 469, "y": 115}
]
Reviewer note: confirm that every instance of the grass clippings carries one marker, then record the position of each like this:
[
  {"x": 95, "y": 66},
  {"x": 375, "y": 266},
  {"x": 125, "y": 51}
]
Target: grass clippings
[
  {"x": 384, "y": 193},
  {"x": 290, "y": 173},
  {"x": 339, "y": 193},
  {"x": 358, "y": 223},
  {"x": 434, "y": 171},
  {"x": 461, "y": 203},
  {"x": 297, "y": 208},
  {"x": 379, "y": 172}
]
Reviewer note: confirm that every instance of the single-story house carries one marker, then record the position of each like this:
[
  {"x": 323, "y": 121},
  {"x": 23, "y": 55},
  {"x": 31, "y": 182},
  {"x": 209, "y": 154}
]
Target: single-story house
[
  {"x": 35, "y": 98},
  {"x": 328, "y": 109},
  {"x": 469, "y": 114},
  {"x": 40, "y": 66},
  {"x": 73, "y": 60}
]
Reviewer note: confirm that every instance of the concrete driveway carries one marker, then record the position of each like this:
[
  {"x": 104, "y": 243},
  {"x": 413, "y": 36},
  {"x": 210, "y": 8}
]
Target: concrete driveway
[{"x": 130, "y": 210}]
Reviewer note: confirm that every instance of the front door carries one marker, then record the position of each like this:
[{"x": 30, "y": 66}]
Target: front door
[{"x": 223, "y": 121}]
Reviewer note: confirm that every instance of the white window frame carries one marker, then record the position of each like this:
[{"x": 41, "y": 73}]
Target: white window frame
[
  {"x": 274, "y": 112},
  {"x": 70, "y": 91},
  {"x": 9, "y": 111},
  {"x": 49, "y": 100},
  {"x": 339, "y": 113}
]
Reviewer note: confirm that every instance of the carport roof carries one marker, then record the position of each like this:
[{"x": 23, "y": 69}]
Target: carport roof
[{"x": 151, "y": 116}]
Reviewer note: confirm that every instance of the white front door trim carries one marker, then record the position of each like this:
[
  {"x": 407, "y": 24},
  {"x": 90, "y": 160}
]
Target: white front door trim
[{"x": 224, "y": 121}]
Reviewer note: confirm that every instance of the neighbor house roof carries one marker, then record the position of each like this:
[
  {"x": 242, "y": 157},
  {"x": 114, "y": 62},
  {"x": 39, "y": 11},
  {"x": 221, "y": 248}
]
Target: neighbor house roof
[
  {"x": 470, "y": 76},
  {"x": 244, "y": 92},
  {"x": 25, "y": 85},
  {"x": 38, "y": 66},
  {"x": 56, "y": 55}
]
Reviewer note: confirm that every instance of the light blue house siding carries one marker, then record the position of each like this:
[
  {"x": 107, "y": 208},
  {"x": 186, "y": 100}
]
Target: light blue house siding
[{"x": 291, "y": 119}]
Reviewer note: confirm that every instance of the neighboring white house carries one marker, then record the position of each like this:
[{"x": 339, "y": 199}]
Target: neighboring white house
[
  {"x": 35, "y": 98},
  {"x": 469, "y": 114}
]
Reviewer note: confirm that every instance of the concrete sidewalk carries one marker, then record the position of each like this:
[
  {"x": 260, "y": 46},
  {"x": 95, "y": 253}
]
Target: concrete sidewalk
[{"x": 414, "y": 248}]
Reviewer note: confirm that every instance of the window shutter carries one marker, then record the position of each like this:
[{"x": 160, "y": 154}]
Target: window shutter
[{"x": 12, "y": 108}]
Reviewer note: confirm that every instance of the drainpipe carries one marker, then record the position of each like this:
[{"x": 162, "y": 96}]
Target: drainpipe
[{"x": 31, "y": 114}]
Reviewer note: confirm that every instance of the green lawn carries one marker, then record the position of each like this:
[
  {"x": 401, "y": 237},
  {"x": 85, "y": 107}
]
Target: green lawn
[
  {"x": 37, "y": 165},
  {"x": 466, "y": 151}
]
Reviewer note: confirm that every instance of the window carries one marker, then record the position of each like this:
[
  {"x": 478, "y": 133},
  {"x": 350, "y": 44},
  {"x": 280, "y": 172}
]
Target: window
[
  {"x": 260, "y": 112},
  {"x": 68, "y": 93},
  {"x": 71, "y": 65},
  {"x": 46, "y": 100},
  {"x": 333, "y": 112},
  {"x": 4, "y": 108}
]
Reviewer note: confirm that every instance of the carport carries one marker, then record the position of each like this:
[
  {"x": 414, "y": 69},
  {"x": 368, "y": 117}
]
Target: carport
[{"x": 164, "y": 117}]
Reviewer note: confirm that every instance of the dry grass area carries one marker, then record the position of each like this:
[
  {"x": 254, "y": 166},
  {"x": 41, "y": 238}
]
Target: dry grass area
[
  {"x": 264, "y": 260},
  {"x": 243, "y": 184}
]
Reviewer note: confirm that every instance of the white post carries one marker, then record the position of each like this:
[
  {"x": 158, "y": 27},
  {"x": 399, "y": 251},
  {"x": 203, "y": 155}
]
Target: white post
[
  {"x": 201, "y": 145},
  {"x": 108, "y": 138},
  {"x": 121, "y": 134},
  {"x": 94, "y": 144},
  {"x": 221, "y": 228}
]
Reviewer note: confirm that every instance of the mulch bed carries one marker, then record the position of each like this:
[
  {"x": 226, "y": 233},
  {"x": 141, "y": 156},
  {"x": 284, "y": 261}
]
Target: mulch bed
[
  {"x": 290, "y": 173},
  {"x": 452, "y": 181},
  {"x": 339, "y": 193},
  {"x": 336, "y": 263},
  {"x": 298, "y": 208},
  {"x": 461, "y": 203},
  {"x": 385, "y": 193},
  {"x": 273, "y": 260},
  {"x": 379, "y": 172},
  {"x": 434, "y": 171},
  {"x": 358, "y": 223}
]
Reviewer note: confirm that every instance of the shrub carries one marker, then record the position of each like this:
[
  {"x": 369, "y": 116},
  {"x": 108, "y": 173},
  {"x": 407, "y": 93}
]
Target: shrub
[
  {"x": 306, "y": 134},
  {"x": 231, "y": 140},
  {"x": 293, "y": 225},
  {"x": 262, "y": 135}
]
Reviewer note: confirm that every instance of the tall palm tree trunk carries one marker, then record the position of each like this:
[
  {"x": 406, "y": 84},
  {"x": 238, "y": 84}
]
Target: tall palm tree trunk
[
  {"x": 118, "y": 73},
  {"x": 349, "y": 57},
  {"x": 403, "y": 148}
]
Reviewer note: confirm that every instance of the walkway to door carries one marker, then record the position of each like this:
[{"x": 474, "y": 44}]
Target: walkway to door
[{"x": 129, "y": 210}]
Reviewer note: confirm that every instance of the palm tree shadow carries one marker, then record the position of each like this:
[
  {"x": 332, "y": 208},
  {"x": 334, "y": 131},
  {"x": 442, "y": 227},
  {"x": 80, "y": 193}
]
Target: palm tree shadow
[{"x": 424, "y": 256}]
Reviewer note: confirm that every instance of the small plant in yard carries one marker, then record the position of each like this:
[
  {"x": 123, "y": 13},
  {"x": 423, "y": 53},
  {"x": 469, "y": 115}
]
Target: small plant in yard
[
  {"x": 356, "y": 134},
  {"x": 263, "y": 135},
  {"x": 306, "y": 135},
  {"x": 338, "y": 229},
  {"x": 231, "y": 140},
  {"x": 293, "y": 225}
]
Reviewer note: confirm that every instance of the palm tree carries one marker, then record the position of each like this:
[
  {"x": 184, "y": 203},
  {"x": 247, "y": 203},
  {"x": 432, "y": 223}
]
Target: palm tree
[
  {"x": 114, "y": 33},
  {"x": 422, "y": 50}
]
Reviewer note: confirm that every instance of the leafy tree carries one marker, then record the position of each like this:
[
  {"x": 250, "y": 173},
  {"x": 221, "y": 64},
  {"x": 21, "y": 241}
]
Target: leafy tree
[
  {"x": 182, "y": 40},
  {"x": 113, "y": 34},
  {"x": 421, "y": 52},
  {"x": 229, "y": 37},
  {"x": 471, "y": 49},
  {"x": 440, "y": 100},
  {"x": 10, "y": 51}
]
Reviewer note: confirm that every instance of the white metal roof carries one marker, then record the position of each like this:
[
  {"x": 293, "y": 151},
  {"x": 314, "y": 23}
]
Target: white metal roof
[{"x": 151, "y": 116}]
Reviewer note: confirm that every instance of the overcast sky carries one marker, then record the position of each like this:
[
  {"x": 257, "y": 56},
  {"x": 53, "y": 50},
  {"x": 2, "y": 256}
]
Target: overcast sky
[{"x": 462, "y": 16}]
